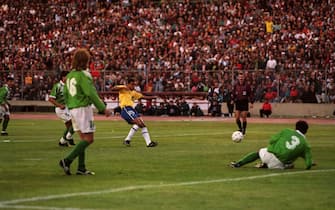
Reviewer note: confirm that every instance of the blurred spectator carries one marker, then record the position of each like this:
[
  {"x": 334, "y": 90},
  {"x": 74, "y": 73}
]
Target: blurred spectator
[
  {"x": 227, "y": 97},
  {"x": 162, "y": 109},
  {"x": 266, "y": 109},
  {"x": 152, "y": 108},
  {"x": 184, "y": 108},
  {"x": 140, "y": 107},
  {"x": 294, "y": 94},
  {"x": 331, "y": 90},
  {"x": 270, "y": 95},
  {"x": 215, "y": 105},
  {"x": 308, "y": 95},
  {"x": 196, "y": 110},
  {"x": 271, "y": 64},
  {"x": 173, "y": 109},
  {"x": 171, "y": 45},
  {"x": 215, "y": 98}
]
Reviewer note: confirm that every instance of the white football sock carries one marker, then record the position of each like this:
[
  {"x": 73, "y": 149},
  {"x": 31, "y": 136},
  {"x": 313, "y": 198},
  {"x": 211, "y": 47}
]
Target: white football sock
[
  {"x": 132, "y": 132},
  {"x": 146, "y": 136},
  {"x": 68, "y": 135},
  {"x": 62, "y": 140}
]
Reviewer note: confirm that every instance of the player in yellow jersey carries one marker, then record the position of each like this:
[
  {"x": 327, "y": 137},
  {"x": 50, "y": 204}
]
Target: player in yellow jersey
[{"x": 127, "y": 97}]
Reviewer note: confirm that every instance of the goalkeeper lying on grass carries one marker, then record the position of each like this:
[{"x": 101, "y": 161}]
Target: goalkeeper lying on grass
[{"x": 284, "y": 148}]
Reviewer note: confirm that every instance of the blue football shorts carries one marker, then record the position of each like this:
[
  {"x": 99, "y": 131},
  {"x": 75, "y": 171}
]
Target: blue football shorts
[{"x": 128, "y": 113}]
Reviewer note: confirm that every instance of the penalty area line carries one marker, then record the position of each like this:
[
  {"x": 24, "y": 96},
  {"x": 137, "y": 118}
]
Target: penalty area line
[
  {"x": 12, "y": 203},
  {"x": 36, "y": 207},
  {"x": 21, "y": 140}
]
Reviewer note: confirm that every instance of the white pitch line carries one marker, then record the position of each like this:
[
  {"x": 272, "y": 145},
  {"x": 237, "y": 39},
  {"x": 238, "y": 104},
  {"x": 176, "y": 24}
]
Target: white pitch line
[
  {"x": 37, "y": 207},
  {"x": 121, "y": 137},
  {"x": 143, "y": 187}
]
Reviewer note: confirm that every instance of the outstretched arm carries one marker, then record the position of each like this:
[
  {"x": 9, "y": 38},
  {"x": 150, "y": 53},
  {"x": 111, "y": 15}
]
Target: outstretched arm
[
  {"x": 55, "y": 103},
  {"x": 148, "y": 97},
  {"x": 119, "y": 87}
]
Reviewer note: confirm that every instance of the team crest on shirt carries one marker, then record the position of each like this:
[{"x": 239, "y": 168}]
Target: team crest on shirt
[{"x": 131, "y": 113}]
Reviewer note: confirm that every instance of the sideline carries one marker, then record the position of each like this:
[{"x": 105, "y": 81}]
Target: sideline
[
  {"x": 12, "y": 203},
  {"x": 272, "y": 120}
]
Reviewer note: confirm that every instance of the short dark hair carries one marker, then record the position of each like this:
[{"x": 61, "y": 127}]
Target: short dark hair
[
  {"x": 130, "y": 80},
  {"x": 301, "y": 126},
  {"x": 10, "y": 78},
  {"x": 63, "y": 74}
]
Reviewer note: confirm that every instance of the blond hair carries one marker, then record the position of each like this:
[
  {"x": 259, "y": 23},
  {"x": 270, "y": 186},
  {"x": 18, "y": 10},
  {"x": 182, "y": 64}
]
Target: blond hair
[{"x": 80, "y": 59}]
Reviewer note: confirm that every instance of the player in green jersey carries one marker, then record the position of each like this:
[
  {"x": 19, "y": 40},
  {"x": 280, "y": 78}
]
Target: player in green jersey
[
  {"x": 80, "y": 94},
  {"x": 284, "y": 148},
  {"x": 56, "y": 97},
  {"x": 4, "y": 105}
]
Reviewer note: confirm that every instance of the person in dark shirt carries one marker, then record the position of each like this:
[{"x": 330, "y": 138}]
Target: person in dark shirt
[
  {"x": 196, "y": 110},
  {"x": 184, "y": 107},
  {"x": 242, "y": 96},
  {"x": 309, "y": 95},
  {"x": 227, "y": 95},
  {"x": 152, "y": 108},
  {"x": 140, "y": 107}
]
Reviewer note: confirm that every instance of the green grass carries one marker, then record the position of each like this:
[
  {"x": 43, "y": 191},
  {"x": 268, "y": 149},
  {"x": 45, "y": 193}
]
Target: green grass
[{"x": 188, "y": 169}]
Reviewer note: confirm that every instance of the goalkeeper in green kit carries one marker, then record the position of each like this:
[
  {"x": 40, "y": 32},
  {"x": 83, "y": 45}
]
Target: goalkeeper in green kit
[{"x": 284, "y": 148}]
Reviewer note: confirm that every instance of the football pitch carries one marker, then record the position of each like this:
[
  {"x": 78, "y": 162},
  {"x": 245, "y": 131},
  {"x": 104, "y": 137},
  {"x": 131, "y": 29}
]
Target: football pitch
[{"x": 188, "y": 170}]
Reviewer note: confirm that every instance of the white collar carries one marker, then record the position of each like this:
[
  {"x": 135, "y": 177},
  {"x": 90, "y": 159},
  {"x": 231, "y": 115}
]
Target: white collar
[{"x": 301, "y": 133}]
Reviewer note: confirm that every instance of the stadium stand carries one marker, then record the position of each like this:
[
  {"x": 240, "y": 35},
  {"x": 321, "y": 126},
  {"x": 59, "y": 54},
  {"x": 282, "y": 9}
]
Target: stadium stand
[{"x": 173, "y": 46}]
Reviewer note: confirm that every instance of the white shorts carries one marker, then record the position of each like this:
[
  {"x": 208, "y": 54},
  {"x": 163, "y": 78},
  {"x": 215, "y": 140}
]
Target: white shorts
[
  {"x": 4, "y": 110},
  {"x": 63, "y": 114},
  {"x": 82, "y": 119},
  {"x": 270, "y": 159}
]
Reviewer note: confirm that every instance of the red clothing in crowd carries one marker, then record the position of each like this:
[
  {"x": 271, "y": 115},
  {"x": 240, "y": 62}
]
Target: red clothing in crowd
[{"x": 267, "y": 106}]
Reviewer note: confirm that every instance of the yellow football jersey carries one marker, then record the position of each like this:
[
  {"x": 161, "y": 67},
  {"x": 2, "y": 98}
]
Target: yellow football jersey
[{"x": 127, "y": 97}]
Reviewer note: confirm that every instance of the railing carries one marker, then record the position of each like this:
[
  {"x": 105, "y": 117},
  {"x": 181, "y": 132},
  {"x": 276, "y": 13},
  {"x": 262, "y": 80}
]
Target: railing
[{"x": 36, "y": 85}]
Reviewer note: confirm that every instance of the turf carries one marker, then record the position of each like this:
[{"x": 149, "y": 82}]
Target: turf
[{"x": 188, "y": 170}]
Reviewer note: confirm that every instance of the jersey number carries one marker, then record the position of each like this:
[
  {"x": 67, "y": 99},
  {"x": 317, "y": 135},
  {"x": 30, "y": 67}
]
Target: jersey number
[
  {"x": 293, "y": 143},
  {"x": 71, "y": 86}
]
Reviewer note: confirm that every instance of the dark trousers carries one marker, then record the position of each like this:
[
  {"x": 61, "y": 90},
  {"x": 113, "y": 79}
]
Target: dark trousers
[{"x": 263, "y": 112}]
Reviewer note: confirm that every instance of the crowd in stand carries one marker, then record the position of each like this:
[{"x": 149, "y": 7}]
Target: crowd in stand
[
  {"x": 286, "y": 48},
  {"x": 177, "y": 107}
]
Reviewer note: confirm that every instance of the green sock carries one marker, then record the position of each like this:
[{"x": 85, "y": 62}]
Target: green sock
[
  {"x": 81, "y": 161},
  {"x": 65, "y": 133},
  {"x": 5, "y": 123},
  {"x": 68, "y": 134},
  {"x": 248, "y": 158},
  {"x": 77, "y": 150},
  {"x": 71, "y": 130}
]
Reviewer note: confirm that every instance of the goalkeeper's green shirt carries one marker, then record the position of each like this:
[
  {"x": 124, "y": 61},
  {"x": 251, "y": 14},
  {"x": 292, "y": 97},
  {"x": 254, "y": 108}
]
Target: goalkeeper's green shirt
[
  {"x": 4, "y": 93},
  {"x": 290, "y": 144},
  {"x": 79, "y": 91},
  {"x": 57, "y": 92}
]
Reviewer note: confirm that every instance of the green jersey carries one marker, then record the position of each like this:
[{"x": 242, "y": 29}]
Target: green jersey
[
  {"x": 4, "y": 94},
  {"x": 79, "y": 91},
  {"x": 290, "y": 144},
  {"x": 57, "y": 92}
]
